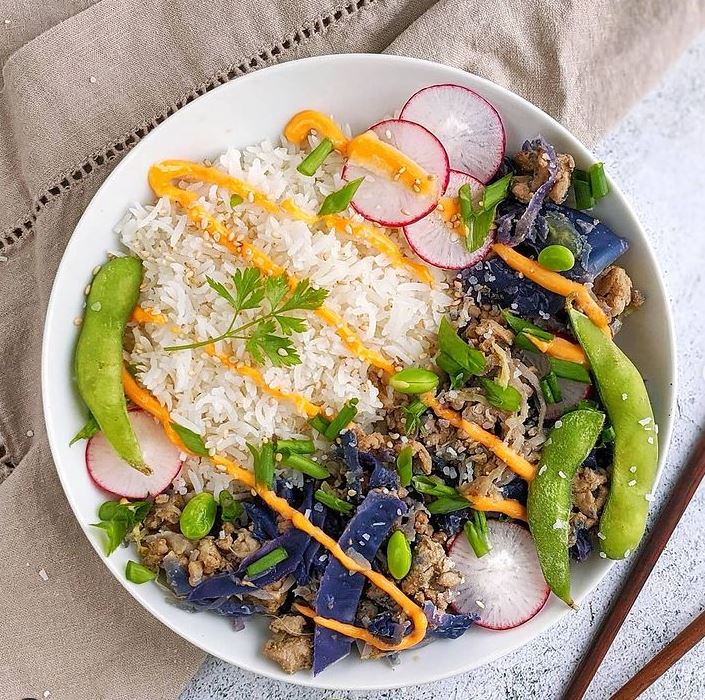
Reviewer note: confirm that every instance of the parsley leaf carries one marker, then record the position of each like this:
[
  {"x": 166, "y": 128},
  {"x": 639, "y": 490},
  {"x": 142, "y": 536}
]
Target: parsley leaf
[
  {"x": 275, "y": 288},
  {"x": 304, "y": 296},
  {"x": 263, "y": 342},
  {"x": 221, "y": 291},
  {"x": 291, "y": 324},
  {"x": 248, "y": 288}
]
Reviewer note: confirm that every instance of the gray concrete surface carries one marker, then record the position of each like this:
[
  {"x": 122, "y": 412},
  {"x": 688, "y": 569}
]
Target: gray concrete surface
[{"x": 656, "y": 155}]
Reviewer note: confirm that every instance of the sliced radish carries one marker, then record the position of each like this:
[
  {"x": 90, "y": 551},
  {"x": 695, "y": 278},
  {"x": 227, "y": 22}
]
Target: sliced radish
[
  {"x": 505, "y": 587},
  {"x": 434, "y": 240},
  {"x": 467, "y": 125},
  {"x": 390, "y": 202},
  {"x": 113, "y": 474}
]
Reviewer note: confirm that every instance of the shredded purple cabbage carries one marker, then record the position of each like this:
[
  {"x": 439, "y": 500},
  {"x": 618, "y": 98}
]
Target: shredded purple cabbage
[
  {"x": 386, "y": 626},
  {"x": 447, "y": 625},
  {"x": 310, "y": 557},
  {"x": 264, "y": 522},
  {"x": 451, "y": 523},
  {"x": 583, "y": 546},
  {"x": 517, "y": 488},
  {"x": 218, "y": 586},
  {"x": 351, "y": 457},
  {"x": 340, "y": 590}
]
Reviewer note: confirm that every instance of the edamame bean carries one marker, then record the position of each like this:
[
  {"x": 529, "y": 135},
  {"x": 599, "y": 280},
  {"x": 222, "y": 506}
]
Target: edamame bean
[
  {"x": 398, "y": 555},
  {"x": 414, "y": 380},
  {"x": 198, "y": 516},
  {"x": 549, "y": 502},
  {"x": 138, "y": 573},
  {"x": 557, "y": 258},
  {"x": 98, "y": 358},
  {"x": 624, "y": 395}
]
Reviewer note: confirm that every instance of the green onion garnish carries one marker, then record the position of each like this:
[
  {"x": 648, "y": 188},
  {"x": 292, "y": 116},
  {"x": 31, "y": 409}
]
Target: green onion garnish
[
  {"x": 404, "y": 463},
  {"x": 235, "y": 199},
  {"x": 433, "y": 486},
  {"x": 137, "y": 573},
  {"x": 569, "y": 370},
  {"x": 607, "y": 435},
  {"x": 230, "y": 508},
  {"x": 315, "y": 158},
  {"x": 504, "y": 398},
  {"x": 413, "y": 413},
  {"x": 583, "y": 192},
  {"x": 332, "y": 502},
  {"x": 276, "y": 556},
  {"x": 598, "y": 181},
  {"x": 557, "y": 258},
  {"x": 263, "y": 463},
  {"x": 587, "y": 405},
  {"x": 555, "y": 387},
  {"x": 546, "y": 391},
  {"x": 479, "y": 219},
  {"x": 477, "y": 532},
  {"x": 447, "y": 504},
  {"x": 298, "y": 447},
  {"x": 306, "y": 465},
  {"x": 319, "y": 423},
  {"x": 519, "y": 325},
  {"x": 458, "y": 359},
  {"x": 521, "y": 341},
  {"x": 339, "y": 201},
  {"x": 342, "y": 420}
]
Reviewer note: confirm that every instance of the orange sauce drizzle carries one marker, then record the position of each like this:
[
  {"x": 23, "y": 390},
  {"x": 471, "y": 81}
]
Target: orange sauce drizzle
[
  {"x": 508, "y": 506},
  {"x": 144, "y": 399},
  {"x": 512, "y": 459},
  {"x": 141, "y": 316},
  {"x": 301, "y": 124},
  {"x": 556, "y": 283},
  {"x": 561, "y": 349},
  {"x": 160, "y": 179}
]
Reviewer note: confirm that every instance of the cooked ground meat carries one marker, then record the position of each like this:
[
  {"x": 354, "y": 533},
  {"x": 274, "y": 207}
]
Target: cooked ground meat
[
  {"x": 205, "y": 560},
  {"x": 165, "y": 513},
  {"x": 236, "y": 543},
  {"x": 291, "y": 645},
  {"x": 278, "y": 592},
  {"x": 534, "y": 165},
  {"x": 432, "y": 575},
  {"x": 615, "y": 292},
  {"x": 589, "y": 491},
  {"x": 423, "y": 458},
  {"x": 153, "y": 548}
]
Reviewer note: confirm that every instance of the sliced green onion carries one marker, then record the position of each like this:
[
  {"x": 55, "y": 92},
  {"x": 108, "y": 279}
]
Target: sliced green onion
[
  {"x": 598, "y": 181},
  {"x": 546, "y": 391},
  {"x": 519, "y": 325},
  {"x": 557, "y": 258},
  {"x": 235, "y": 200},
  {"x": 230, "y": 508},
  {"x": 315, "y": 158},
  {"x": 332, "y": 502},
  {"x": 452, "y": 345},
  {"x": 587, "y": 405},
  {"x": 413, "y": 413},
  {"x": 465, "y": 208},
  {"x": 339, "y": 201},
  {"x": 404, "y": 463},
  {"x": 555, "y": 387},
  {"x": 496, "y": 192},
  {"x": 521, "y": 341},
  {"x": 342, "y": 420},
  {"x": 478, "y": 220},
  {"x": 477, "y": 532},
  {"x": 607, "y": 435},
  {"x": 137, "y": 573},
  {"x": 192, "y": 441},
  {"x": 263, "y": 463},
  {"x": 504, "y": 398},
  {"x": 432, "y": 486},
  {"x": 304, "y": 464},
  {"x": 447, "y": 504},
  {"x": 319, "y": 423},
  {"x": 299, "y": 447},
  {"x": 569, "y": 370},
  {"x": 581, "y": 175},
  {"x": 276, "y": 556},
  {"x": 583, "y": 194},
  {"x": 457, "y": 375}
]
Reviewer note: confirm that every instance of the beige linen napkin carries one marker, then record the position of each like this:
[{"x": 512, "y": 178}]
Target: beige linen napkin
[{"x": 83, "y": 82}]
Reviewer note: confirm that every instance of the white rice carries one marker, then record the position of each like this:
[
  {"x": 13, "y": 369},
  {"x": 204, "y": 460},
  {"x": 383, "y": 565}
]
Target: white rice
[{"x": 391, "y": 310}]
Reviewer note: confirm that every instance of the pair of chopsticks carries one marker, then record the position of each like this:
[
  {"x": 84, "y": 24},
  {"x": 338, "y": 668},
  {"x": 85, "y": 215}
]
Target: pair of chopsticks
[{"x": 663, "y": 528}]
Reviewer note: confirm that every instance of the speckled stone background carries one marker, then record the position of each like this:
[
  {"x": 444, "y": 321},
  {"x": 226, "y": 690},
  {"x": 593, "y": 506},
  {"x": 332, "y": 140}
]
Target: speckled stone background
[{"x": 656, "y": 155}]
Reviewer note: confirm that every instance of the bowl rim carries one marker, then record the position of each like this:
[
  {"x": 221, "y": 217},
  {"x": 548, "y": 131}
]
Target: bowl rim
[{"x": 665, "y": 435}]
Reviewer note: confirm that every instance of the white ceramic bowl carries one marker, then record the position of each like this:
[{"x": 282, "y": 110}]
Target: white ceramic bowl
[{"x": 358, "y": 89}]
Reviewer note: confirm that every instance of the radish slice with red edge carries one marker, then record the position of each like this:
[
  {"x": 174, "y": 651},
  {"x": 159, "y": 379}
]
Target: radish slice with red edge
[
  {"x": 435, "y": 240},
  {"x": 505, "y": 587},
  {"x": 390, "y": 202},
  {"x": 468, "y": 126},
  {"x": 113, "y": 474}
]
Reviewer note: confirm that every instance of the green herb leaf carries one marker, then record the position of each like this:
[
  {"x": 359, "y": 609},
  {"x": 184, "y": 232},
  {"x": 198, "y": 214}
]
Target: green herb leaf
[
  {"x": 339, "y": 201},
  {"x": 519, "y": 325},
  {"x": 305, "y": 297},
  {"x": 504, "y": 398},
  {"x": 230, "y": 508},
  {"x": 275, "y": 289},
  {"x": 115, "y": 531},
  {"x": 248, "y": 288},
  {"x": 192, "y": 441},
  {"x": 222, "y": 291},
  {"x": 89, "y": 429},
  {"x": 404, "y": 465},
  {"x": 236, "y": 200},
  {"x": 263, "y": 342},
  {"x": 290, "y": 324},
  {"x": 452, "y": 345},
  {"x": 413, "y": 412},
  {"x": 457, "y": 375},
  {"x": 138, "y": 573}
]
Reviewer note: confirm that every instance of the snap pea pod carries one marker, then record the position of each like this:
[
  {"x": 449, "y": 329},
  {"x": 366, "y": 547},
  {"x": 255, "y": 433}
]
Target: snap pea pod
[
  {"x": 566, "y": 448},
  {"x": 635, "y": 463},
  {"x": 98, "y": 359}
]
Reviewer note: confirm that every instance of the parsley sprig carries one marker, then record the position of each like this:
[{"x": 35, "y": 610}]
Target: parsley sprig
[{"x": 266, "y": 337}]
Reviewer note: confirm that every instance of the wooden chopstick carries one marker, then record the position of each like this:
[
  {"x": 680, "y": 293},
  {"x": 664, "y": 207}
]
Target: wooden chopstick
[
  {"x": 663, "y": 528},
  {"x": 668, "y": 656}
]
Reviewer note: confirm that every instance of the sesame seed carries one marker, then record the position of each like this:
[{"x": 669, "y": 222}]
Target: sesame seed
[
  {"x": 388, "y": 134},
  {"x": 624, "y": 397},
  {"x": 632, "y": 469},
  {"x": 649, "y": 497},
  {"x": 405, "y": 212},
  {"x": 650, "y": 440},
  {"x": 558, "y": 424},
  {"x": 543, "y": 469},
  {"x": 632, "y": 482},
  {"x": 30, "y": 433},
  {"x": 402, "y": 170},
  {"x": 77, "y": 321},
  {"x": 92, "y": 79},
  {"x": 627, "y": 552},
  {"x": 216, "y": 237},
  {"x": 601, "y": 536},
  {"x": 561, "y": 473},
  {"x": 603, "y": 555},
  {"x": 352, "y": 492},
  {"x": 645, "y": 421},
  {"x": 87, "y": 290},
  {"x": 96, "y": 306},
  {"x": 480, "y": 604},
  {"x": 416, "y": 188},
  {"x": 250, "y": 197},
  {"x": 96, "y": 269}
]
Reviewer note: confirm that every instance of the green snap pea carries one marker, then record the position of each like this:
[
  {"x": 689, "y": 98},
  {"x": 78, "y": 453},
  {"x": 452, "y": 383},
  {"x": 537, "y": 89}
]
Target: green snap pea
[
  {"x": 635, "y": 463},
  {"x": 557, "y": 258},
  {"x": 198, "y": 516},
  {"x": 549, "y": 502},
  {"x": 98, "y": 358},
  {"x": 138, "y": 573},
  {"x": 414, "y": 380},
  {"x": 398, "y": 555}
]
